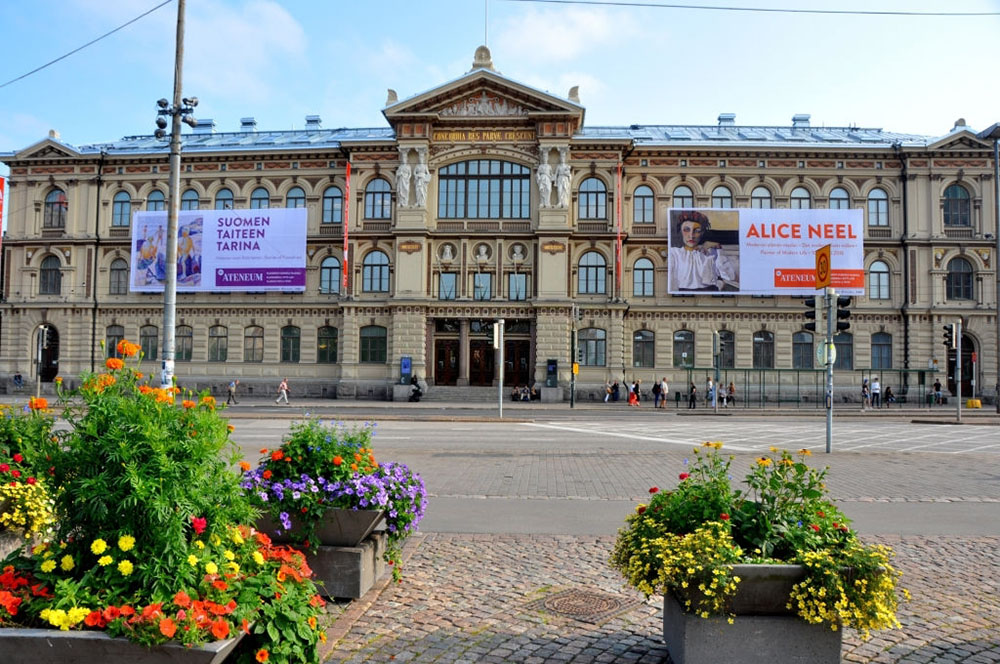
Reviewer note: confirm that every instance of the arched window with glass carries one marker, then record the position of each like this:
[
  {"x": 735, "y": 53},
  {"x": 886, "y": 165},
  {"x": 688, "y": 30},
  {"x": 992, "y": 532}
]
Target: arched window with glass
[
  {"x": 878, "y": 208},
  {"x": 183, "y": 343},
  {"x": 291, "y": 337},
  {"x": 329, "y": 275},
  {"x": 843, "y": 343},
  {"x": 295, "y": 198},
  {"x": 800, "y": 199},
  {"x": 149, "y": 341},
  {"x": 156, "y": 201},
  {"x": 190, "y": 200},
  {"x": 592, "y": 274},
  {"x": 224, "y": 199},
  {"x": 760, "y": 198},
  {"x": 959, "y": 281},
  {"x": 326, "y": 345},
  {"x": 50, "y": 276},
  {"x": 763, "y": 349},
  {"x": 593, "y": 201},
  {"x": 802, "y": 350},
  {"x": 957, "y": 206},
  {"x": 839, "y": 199},
  {"x": 683, "y": 348},
  {"x": 253, "y": 344},
  {"x": 260, "y": 199},
  {"x": 56, "y": 205},
  {"x": 121, "y": 210},
  {"x": 881, "y": 350},
  {"x": 727, "y": 349},
  {"x": 642, "y": 205},
  {"x": 484, "y": 189},
  {"x": 592, "y": 343},
  {"x": 374, "y": 344},
  {"x": 113, "y": 335},
  {"x": 118, "y": 277},
  {"x": 643, "y": 349},
  {"x": 642, "y": 278},
  {"x": 218, "y": 343},
  {"x": 722, "y": 197},
  {"x": 333, "y": 206},
  {"x": 878, "y": 281},
  {"x": 375, "y": 273},
  {"x": 683, "y": 197},
  {"x": 378, "y": 199}
]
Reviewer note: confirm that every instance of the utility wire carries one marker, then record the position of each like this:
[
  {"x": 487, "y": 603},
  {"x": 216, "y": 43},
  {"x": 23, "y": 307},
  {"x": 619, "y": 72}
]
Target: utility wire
[
  {"x": 772, "y": 10},
  {"x": 93, "y": 41}
]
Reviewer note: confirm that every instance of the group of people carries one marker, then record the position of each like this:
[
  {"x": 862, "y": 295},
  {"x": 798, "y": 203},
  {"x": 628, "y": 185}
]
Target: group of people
[
  {"x": 873, "y": 397},
  {"x": 235, "y": 383},
  {"x": 661, "y": 390},
  {"x": 726, "y": 396},
  {"x": 524, "y": 393}
]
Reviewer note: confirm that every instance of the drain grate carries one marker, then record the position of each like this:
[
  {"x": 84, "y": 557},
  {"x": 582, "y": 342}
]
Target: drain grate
[{"x": 584, "y": 605}]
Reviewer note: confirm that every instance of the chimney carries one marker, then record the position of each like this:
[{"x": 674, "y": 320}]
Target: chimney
[
  {"x": 800, "y": 121},
  {"x": 314, "y": 122},
  {"x": 727, "y": 119},
  {"x": 248, "y": 125},
  {"x": 205, "y": 126}
]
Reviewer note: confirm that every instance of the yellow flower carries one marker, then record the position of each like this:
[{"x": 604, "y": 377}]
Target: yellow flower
[
  {"x": 126, "y": 542},
  {"x": 805, "y": 452},
  {"x": 48, "y": 566},
  {"x": 764, "y": 461},
  {"x": 98, "y": 547},
  {"x": 229, "y": 555},
  {"x": 234, "y": 568},
  {"x": 104, "y": 561},
  {"x": 67, "y": 563},
  {"x": 258, "y": 557},
  {"x": 236, "y": 537},
  {"x": 125, "y": 567},
  {"x": 199, "y": 544},
  {"x": 192, "y": 560},
  {"x": 211, "y": 568}
]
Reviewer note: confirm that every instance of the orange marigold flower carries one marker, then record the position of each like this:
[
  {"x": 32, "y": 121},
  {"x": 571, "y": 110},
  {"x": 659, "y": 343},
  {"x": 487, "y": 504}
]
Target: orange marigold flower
[
  {"x": 138, "y": 375},
  {"x": 114, "y": 364},
  {"x": 267, "y": 474},
  {"x": 354, "y": 466},
  {"x": 244, "y": 466},
  {"x": 208, "y": 401},
  {"x": 38, "y": 403},
  {"x": 188, "y": 404},
  {"x": 230, "y": 428},
  {"x": 277, "y": 455},
  {"x": 168, "y": 628},
  {"x": 357, "y": 457},
  {"x": 262, "y": 655},
  {"x": 312, "y": 622},
  {"x": 58, "y": 380},
  {"x": 220, "y": 629},
  {"x": 127, "y": 348},
  {"x": 219, "y": 584},
  {"x": 182, "y": 599}
]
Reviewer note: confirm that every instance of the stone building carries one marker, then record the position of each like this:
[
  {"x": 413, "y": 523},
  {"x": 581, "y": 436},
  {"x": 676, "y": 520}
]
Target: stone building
[{"x": 483, "y": 199}]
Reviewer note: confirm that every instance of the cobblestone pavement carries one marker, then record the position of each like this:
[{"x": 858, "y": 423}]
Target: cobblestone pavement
[{"x": 475, "y": 598}]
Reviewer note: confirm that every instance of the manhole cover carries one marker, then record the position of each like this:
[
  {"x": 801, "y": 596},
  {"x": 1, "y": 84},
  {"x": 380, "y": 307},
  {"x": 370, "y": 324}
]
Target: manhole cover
[{"x": 584, "y": 605}]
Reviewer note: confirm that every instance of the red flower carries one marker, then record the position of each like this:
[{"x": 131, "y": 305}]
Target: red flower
[
  {"x": 219, "y": 584},
  {"x": 182, "y": 599},
  {"x": 724, "y": 516},
  {"x": 15, "y": 473},
  {"x": 199, "y": 523},
  {"x": 220, "y": 629},
  {"x": 640, "y": 509},
  {"x": 820, "y": 514},
  {"x": 262, "y": 655},
  {"x": 684, "y": 476},
  {"x": 94, "y": 619},
  {"x": 168, "y": 628},
  {"x": 31, "y": 480},
  {"x": 277, "y": 455},
  {"x": 267, "y": 474},
  {"x": 654, "y": 489},
  {"x": 4, "y": 467},
  {"x": 18, "y": 457},
  {"x": 814, "y": 527}
]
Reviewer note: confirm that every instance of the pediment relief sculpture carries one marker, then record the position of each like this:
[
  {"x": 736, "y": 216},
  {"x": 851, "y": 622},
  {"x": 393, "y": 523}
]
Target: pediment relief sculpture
[{"x": 484, "y": 104}]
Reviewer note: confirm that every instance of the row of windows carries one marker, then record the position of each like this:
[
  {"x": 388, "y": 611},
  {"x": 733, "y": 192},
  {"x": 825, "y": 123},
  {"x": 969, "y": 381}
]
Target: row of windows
[
  {"x": 490, "y": 189},
  {"x": 373, "y": 340},
  {"x": 592, "y": 349}
]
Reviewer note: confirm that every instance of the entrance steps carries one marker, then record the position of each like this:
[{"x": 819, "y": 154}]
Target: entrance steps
[{"x": 464, "y": 394}]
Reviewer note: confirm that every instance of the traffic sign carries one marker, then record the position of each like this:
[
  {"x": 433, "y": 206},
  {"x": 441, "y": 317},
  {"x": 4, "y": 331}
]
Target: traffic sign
[
  {"x": 823, "y": 267},
  {"x": 821, "y": 353}
]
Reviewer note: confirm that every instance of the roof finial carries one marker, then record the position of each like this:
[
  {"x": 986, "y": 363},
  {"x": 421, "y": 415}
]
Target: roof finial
[
  {"x": 574, "y": 94},
  {"x": 483, "y": 59},
  {"x": 391, "y": 97}
]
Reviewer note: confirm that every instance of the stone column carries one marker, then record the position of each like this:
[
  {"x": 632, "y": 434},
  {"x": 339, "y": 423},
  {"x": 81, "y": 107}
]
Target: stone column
[{"x": 463, "y": 353}]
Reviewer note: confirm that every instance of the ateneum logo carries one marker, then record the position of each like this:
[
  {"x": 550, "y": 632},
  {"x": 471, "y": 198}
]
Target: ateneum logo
[{"x": 234, "y": 277}]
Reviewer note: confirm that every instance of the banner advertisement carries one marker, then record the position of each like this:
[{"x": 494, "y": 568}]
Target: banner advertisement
[
  {"x": 751, "y": 251},
  {"x": 222, "y": 250}
]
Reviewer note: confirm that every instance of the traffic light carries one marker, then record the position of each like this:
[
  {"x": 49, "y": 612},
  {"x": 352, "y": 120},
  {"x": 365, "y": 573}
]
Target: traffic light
[
  {"x": 949, "y": 335},
  {"x": 843, "y": 313},
  {"x": 810, "y": 303},
  {"x": 45, "y": 337}
]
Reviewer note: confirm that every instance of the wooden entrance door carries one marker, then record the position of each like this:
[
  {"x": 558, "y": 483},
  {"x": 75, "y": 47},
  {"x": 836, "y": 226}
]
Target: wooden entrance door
[
  {"x": 480, "y": 363},
  {"x": 516, "y": 362},
  {"x": 446, "y": 362}
]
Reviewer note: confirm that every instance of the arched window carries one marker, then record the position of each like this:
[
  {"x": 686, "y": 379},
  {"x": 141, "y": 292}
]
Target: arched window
[
  {"x": 959, "y": 284},
  {"x": 326, "y": 345},
  {"x": 148, "y": 341},
  {"x": 295, "y": 198},
  {"x": 592, "y": 343},
  {"x": 642, "y": 278},
  {"x": 800, "y": 199},
  {"x": 373, "y": 344},
  {"x": 218, "y": 343},
  {"x": 839, "y": 199},
  {"x": 956, "y": 206},
  {"x": 760, "y": 197},
  {"x": 333, "y": 206},
  {"x": 844, "y": 345},
  {"x": 118, "y": 282},
  {"x": 763, "y": 349},
  {"x": 189, "y": 200},
  {"x": 253, "y": 344},
  {"x": 642, "y": 205},
  {"x": 643, "y": 349},
  {"x": 484, "y": 189},
  {"x": 184, "y": 343},
  {"x": 881, "y": 350},
  {"x": 121, "y": 210},
  {"x": 727, "y": 349},
  {"x": 683, "y": 198},
  {"x": 802, "y": 350},
  {"x": 375, "y": 273},
  {"x": 878, "y": 281},
  {"x": 50, "y": 276},
  {"x": 56, "y": 205},
  {"x": 722, "y": 197},
  {"x": 593, "y": 271},
  {"x": 593, "y": 203},
  {"x": 156, "y": 201},
  {"x": 683, "y": 348},
  {"x": 224, "y": 200},
  {"x": 290, "y": 338},
  {"x": 113, "y": 334},
  {"x": 329, "y": 275},
  {"x": 378, "y": 199},
  {"x": 260, "y": 199},
  {"x": 878, "y": 208}
]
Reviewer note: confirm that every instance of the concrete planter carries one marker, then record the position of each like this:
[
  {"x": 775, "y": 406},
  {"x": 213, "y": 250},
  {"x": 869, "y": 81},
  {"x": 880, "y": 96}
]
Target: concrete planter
[
  {"x": 763, "y": 632},
  {"x": 53, "y": 646},
  {"x": 349, "y": 571},
  {"x": 338, "y": 528}
]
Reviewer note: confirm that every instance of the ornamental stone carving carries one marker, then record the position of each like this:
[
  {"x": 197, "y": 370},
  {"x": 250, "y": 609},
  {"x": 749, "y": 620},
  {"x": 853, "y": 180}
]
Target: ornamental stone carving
[{"x": 484, "y": 105}]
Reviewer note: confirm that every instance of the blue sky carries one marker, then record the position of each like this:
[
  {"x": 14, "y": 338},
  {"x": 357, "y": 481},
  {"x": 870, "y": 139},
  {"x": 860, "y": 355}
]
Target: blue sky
[{"x": 280, "y": 60}]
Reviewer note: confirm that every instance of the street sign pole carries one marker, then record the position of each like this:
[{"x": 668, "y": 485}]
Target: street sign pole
[
  {"x": 958, "y": 367},
  {"x": 831, "y": 299}
]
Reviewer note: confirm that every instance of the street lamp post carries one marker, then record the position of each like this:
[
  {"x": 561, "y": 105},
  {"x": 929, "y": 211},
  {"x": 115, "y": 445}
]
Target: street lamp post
[{"x": 994, "y": 133}]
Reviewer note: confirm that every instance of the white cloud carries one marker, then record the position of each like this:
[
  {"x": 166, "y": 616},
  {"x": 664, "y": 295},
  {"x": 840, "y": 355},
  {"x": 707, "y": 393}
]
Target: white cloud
[{"x": 553, "y": 36}]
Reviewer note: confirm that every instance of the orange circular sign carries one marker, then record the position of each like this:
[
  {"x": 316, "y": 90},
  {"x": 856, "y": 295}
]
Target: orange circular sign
[{"x": 823, "y": 268}]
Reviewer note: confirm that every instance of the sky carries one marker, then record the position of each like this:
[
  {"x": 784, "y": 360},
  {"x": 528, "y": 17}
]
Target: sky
[{"x": 281, "y": 60}]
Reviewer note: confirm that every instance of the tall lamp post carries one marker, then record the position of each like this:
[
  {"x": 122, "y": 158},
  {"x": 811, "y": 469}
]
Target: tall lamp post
[{"x": 994, "y": 133}]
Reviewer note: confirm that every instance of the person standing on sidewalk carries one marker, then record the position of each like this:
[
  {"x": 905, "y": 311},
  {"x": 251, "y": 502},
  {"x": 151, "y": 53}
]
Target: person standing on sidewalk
[
  {"x": 731, "y": 394},
  {"x": 865, "y": 394},
  {"x": 607, "y": 390},
  {"x": 664, "y": 391},
  {"x": 233, "y": 384},
  {"x": 692, "y": 396},
  {"x": 876, "y": 393},
  {"x": 282, "y": 391},
  {"x": 657, "y": 394}
]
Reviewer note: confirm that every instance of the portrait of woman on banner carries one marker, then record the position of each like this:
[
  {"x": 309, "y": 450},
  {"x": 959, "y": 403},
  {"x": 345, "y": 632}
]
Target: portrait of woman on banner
[{"x": 702, "y": 258}]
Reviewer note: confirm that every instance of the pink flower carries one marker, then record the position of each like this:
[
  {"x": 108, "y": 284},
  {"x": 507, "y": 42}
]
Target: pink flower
[{"x": 199, "y": 523}]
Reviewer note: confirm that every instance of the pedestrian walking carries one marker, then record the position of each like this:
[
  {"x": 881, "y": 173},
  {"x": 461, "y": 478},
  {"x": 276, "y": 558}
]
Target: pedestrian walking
[
  {"x": 633, "y": 394},
  {"x": 615, "y": 390},
  {"x": 233, "y": 384},
  {"x": 282, "y": 391},
  {"x": 865, "y": 394},
  {"x": 709, "y": 390},
  {"x": 876, "y": 393},
  {"x": 657, "y": 394},
  {"x": 664, "y": 391},
  {"x": 692, "y": 396},
  {"x": 937, "y": 391},
  {"x": 722, "y": 395},
  {"x": 607, "y": 390}
]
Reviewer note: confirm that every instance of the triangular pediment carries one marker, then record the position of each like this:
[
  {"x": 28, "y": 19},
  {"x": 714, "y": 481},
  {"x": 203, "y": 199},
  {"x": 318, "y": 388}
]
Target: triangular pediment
[
  {"x": 48, "y": 148},
  {"x": 959, "y": 141}
]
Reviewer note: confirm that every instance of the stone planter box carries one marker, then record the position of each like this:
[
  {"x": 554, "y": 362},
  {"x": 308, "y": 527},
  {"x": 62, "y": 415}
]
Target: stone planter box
[
  {"x": 53, "y": 646},
  {"x": 763, "y": 632},
  {"x": 349, "y": 571},
  {"x": 339, "y": 527}
]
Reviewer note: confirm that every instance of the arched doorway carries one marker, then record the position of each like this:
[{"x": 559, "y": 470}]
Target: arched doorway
[
  {"x": 47, "y": 352},
  {"x": 968, "y": 350}
]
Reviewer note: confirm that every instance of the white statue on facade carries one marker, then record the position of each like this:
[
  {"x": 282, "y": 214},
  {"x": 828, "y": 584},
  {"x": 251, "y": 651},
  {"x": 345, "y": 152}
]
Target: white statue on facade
[
  {"x": 518, "y": 254},
  {"x": 544, "y": 179},
  {"x": 482, "y": 253},
  {"x": 421, "y": 178},
  {"x": 403, "y": 172},
  {"x": 562, "y": 179},
  {"x": 446, "y": 253}
]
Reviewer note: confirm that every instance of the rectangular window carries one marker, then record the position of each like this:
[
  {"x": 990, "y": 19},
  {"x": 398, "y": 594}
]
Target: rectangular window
[
  {"x": 482, "y": 284},
  {"x": 447, "y": 285},
  {"x": 517, "y": 286}
]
